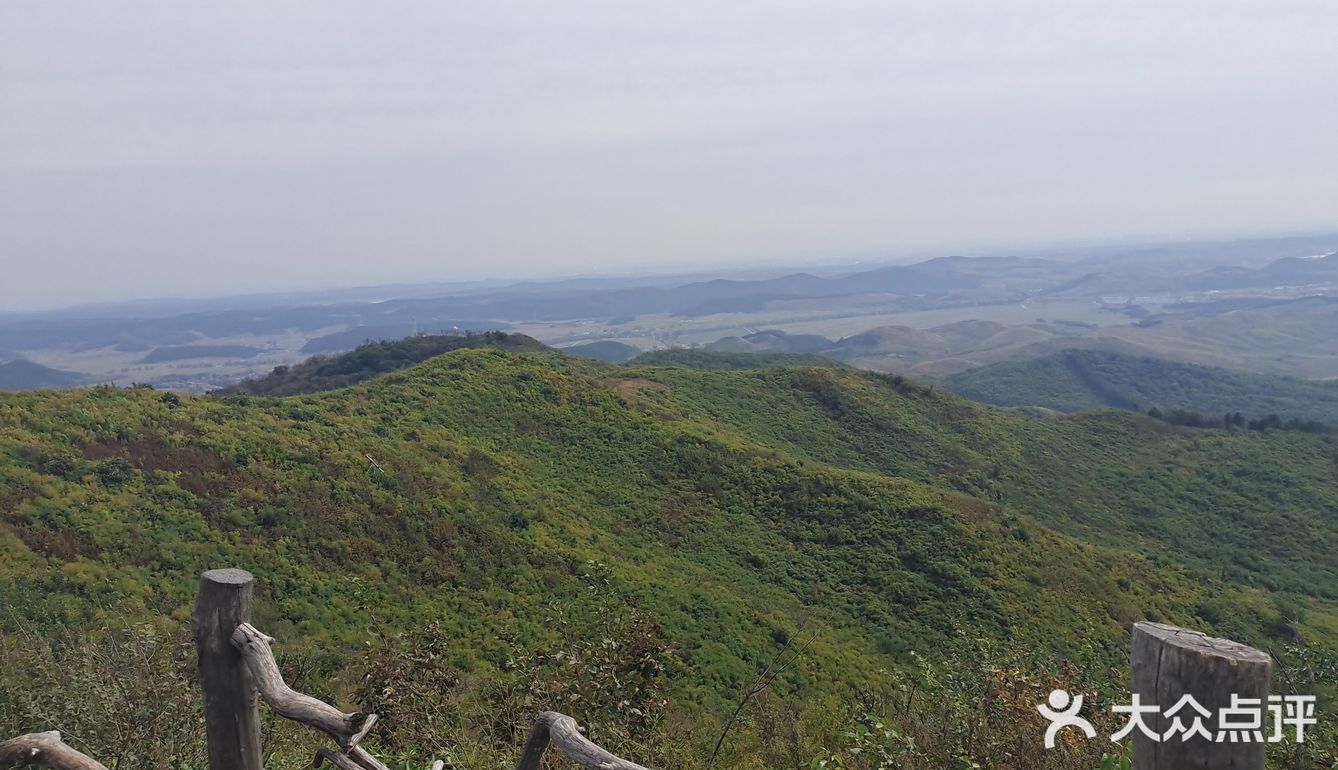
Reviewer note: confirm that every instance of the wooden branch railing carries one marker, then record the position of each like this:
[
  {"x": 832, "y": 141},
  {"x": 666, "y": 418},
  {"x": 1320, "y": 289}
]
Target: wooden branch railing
[
  {"x": 347, "y": 730},
  {"x": 247, "y": 668},
  {"x": 237, "y": 664},
  {"x": 563, "y": 732},
  {"x": 44, "y": 750}
]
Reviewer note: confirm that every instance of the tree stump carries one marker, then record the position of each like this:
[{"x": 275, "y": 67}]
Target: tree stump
[
  {"x": 1168, "y": 663},
  {"x": 232, "y": 719}
]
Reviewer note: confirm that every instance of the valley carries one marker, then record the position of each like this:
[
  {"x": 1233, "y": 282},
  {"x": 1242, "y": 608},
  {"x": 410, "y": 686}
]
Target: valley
[{"x": 1262, "y": 306}]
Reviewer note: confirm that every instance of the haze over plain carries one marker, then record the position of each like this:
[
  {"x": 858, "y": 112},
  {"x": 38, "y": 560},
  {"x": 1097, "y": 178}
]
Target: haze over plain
[{"x": 151, "y": 149}]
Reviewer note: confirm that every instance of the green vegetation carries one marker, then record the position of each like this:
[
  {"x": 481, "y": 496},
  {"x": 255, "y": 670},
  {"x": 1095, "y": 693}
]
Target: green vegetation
[
  {"x": 1074, "y": 380},
  {"x": 463, "y": 543},
  {"x": 1236, "y": 421},
  {"x": 321, "y": 372},
  {"x": 693, "y": 358}
]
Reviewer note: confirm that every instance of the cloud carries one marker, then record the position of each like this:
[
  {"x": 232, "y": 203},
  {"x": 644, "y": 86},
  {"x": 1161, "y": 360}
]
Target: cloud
[{"x": 305, "y": 135}]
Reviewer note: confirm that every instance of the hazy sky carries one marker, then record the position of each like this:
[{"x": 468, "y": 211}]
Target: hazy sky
[{"x": 165, "y": 148}]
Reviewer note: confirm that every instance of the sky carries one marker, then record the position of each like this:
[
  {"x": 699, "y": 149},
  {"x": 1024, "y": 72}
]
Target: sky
[{"x": 158, "y": 148}]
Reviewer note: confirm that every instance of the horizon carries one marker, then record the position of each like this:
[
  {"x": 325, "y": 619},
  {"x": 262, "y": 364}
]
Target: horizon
[
  {"x": 732, "y": 271},
  {"x": 248, "y": 148}
]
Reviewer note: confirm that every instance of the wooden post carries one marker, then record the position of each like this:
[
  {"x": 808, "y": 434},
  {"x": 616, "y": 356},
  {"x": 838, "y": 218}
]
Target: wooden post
[
  {"x": 1168, "y": 663},
  {"x": 232, "y": 721}
]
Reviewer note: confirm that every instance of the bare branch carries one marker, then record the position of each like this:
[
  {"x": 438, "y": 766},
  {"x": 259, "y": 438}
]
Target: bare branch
[
  {"x": 44, "y": 750},
  {"x": 346, "y": 729},
  {"x": 563, "y": 732},
  {"x": 365, "y": 760},
  {"x": 338, "y": 759},
  {"x": 356, "y": 759},
  {"x": 778, "y": 665}
]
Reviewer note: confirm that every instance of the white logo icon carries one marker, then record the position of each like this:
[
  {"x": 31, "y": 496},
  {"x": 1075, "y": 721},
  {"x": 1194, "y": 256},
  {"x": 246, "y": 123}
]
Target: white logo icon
[{"x": 1063, "y": 712}]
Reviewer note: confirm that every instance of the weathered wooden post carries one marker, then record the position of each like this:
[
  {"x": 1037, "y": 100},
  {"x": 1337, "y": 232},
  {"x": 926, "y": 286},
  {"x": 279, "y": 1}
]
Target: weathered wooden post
[
  {"x": 1169, "y": 663},
  {"x": 232, "y": 721}
]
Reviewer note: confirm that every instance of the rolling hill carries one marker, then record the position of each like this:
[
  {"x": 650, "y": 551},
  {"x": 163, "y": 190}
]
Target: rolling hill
[
  {"x": 1160, "y": 300},
  {"x": 461, "y": 542},
  {"x": 604, "y": 350},
  {"x": 322, "y": 372},
  {"x": 185, "y": 352},
  {"x": 21, "y": 374},
  {"x": 1074, "y": 380},
  {"x": 1291, "y": 337}
]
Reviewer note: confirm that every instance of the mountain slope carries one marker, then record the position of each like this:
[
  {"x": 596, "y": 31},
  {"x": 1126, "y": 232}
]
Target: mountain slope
[
  {"x": 1073, "y": 380},
  {"x": 22, "y": 374},
  {"x": 496, "y": 497},
  {"x": 322, "y": 372},
  {"x": 1258, "y": 509}
]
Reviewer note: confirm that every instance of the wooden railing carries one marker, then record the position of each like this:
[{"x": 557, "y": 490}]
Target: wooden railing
[
  {"x": 44, "y": 750},
  {"x": 236, "y": 665}
]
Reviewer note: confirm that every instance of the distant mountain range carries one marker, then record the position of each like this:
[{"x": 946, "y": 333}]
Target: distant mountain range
[
  {"x": 604, "y": 350},
  {"x": 1182, "y": 289},
  {"x": 709, "y": 360},
  {"x": 26, "y": 375},
  {"x": 1290, "y": 337}
]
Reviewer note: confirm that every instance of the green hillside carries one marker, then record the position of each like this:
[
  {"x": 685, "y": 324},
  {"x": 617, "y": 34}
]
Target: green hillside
[
  {"x": 463, "y": 543},
  {"x": 1074, "y": 380},
  {"x": 327, "y": 372}
]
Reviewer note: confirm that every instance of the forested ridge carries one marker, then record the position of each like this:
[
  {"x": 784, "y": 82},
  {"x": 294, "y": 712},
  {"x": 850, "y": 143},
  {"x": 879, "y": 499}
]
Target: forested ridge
[
  {"x": 460, "y": 544},
  {"x": 1073, "y": 380},
  {"x": 372, "y": 358}
]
